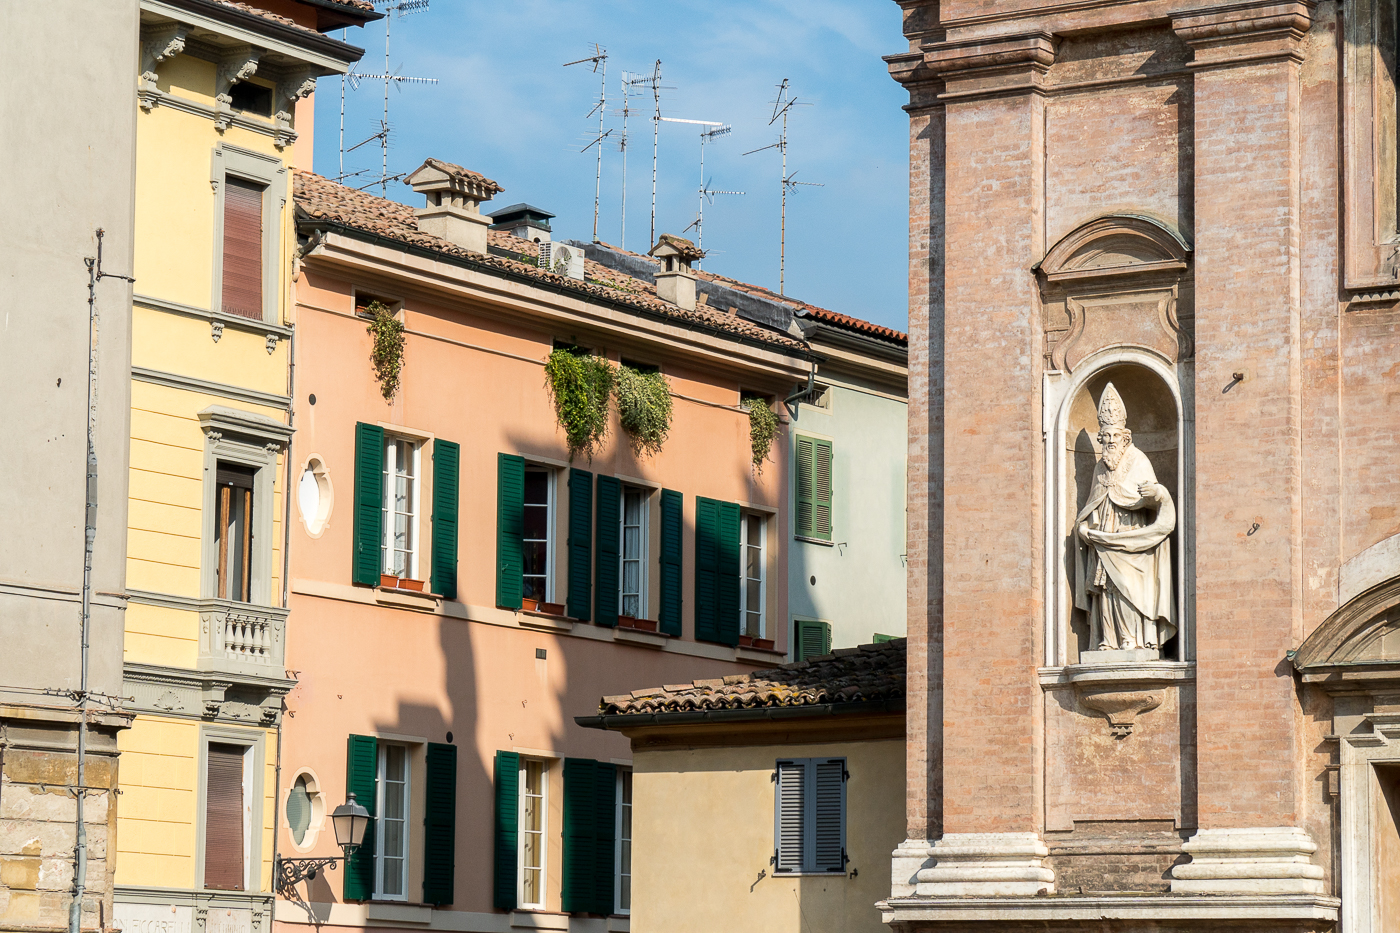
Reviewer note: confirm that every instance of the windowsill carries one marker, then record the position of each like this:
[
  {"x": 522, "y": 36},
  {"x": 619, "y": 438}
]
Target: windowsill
[
  {"x": 399, "y": 912},
  {"x": 633, "y": 636},
  {"x": 809, "y": 874},
  {"x": 808, "y": 540},
  {"x": 759, "y": 655},
  {"x": 544, "y": 621},
  {"x": 537, "y": 918},
  {"x": 406, "y": 599}
]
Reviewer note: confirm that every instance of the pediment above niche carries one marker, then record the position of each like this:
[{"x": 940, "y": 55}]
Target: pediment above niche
[
  {"x": 1362, "y": 636},
  {"x": 1123, "y": 244}
]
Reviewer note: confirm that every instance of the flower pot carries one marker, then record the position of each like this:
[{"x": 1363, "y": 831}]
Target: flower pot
[
  {"x": 626, "y": 621},
  {"x": 763, "y": 644},
  {"x": 414, "y": 585},
  {"x": 554, "y": 609},
  {"x": 745, "y": 641},
  {"x": 388, "y": 580},
  {"x": 645, "y": 625},
  {"x": 530, "y": 605}
]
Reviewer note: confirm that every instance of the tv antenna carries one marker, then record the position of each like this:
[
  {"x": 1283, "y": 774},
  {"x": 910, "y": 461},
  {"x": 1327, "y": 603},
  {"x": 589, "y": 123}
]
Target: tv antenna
[
  {"x": 599, "y": 61},
  {"x": 708, "y": 131},
  {"x": 402, "y": 8},
  {"x": 625, "y": 112},
  {"x": 781, "y": 106},
  {"x": 653, "y": 81}
]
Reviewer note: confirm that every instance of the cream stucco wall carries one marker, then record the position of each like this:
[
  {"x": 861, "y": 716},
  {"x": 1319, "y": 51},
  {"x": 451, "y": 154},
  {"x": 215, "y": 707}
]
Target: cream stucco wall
[{"x": 703, "y": 837}]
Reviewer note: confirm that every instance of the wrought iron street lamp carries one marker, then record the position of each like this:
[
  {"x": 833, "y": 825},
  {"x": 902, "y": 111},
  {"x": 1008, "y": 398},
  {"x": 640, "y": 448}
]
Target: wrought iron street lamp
[{"x": 349, "y": 821}]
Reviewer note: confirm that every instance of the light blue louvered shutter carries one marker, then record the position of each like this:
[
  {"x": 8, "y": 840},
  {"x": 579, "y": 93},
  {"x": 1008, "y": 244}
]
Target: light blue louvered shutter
[
  {"x": 828, "y": 815},
  {"x": 789, "y": 816}
]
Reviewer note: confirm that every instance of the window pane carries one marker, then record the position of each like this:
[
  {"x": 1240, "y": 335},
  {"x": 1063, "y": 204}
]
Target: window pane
[
  {"x": 536, "y": 487},
  {"x": 632, "y": 606},
  {"x": 753, "y": 590},
  {"x": 632, "y": 507},
  {"x": 536, "y": 522},
  {"x": 536, "y": 554},
  {"x": 631, "y": 543},
  {"x": 533, "y": 588}
]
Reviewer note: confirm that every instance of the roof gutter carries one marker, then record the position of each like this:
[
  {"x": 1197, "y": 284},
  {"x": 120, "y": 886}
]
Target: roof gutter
[
  {"x": 334, "y": 48},
  {"x": 617, "y": 722},
  {"x": 376, "y": 239}
]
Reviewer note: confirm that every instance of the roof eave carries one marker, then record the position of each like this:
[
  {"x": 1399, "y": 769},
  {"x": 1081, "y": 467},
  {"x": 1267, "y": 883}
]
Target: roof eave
[
  {"x": 620, "y": 722},
  {"x": 310, "y": 224},
  {"x": 333, "y": 49}
]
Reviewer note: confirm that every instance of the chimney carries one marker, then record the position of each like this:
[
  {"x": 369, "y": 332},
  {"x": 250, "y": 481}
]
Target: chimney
[
  {"x": 675, "y": 280},
  {"x": 523, "y": 220},
  {"x": 453, "y": 211}
]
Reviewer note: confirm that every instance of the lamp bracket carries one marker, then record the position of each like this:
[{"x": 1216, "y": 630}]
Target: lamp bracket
[{"x": 291, "y": 871}]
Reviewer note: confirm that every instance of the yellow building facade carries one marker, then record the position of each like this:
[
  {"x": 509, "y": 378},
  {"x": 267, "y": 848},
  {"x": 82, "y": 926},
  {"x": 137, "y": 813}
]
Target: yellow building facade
[{"x": 224, "y": 118}]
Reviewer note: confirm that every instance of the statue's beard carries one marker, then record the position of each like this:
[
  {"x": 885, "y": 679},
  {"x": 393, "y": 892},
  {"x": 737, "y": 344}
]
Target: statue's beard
[{"x": 1113, "y": 455}]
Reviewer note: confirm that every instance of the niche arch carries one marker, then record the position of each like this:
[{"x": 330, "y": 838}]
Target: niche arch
[{"x": 1159, "y": 405}]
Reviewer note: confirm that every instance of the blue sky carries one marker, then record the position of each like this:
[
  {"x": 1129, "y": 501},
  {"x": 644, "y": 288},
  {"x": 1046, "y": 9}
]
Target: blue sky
[{"x": 506, "y": 107}]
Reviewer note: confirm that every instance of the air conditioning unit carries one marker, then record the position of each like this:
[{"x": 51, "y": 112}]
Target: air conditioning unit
[{"x": 562, "y": 259}]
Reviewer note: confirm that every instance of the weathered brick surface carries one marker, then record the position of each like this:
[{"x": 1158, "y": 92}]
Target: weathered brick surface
[
  {"x": 1236, "y": 143},
  {"x": 992, "y": 466}
]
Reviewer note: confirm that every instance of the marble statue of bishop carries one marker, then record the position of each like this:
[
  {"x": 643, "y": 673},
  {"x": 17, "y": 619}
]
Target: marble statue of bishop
[{"x": 1123, "y": 565}]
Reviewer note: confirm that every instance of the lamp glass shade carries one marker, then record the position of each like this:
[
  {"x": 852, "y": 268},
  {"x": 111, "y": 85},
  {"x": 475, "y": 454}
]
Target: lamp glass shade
[{"x": 350, "y": 820}]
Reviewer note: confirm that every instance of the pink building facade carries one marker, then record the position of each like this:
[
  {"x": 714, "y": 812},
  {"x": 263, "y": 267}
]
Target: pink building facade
[
  {"x": 1197, "y": 205},
  {"x": 461, "y": 587}
]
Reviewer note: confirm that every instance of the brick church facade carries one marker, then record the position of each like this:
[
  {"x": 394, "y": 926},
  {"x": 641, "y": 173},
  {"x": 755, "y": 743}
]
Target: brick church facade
[{"x": 1199, "y": 205}]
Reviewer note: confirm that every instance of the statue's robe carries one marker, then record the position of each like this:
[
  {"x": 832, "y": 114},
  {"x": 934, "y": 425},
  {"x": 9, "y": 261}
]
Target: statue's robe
[{"x": 1123, "y": 575}]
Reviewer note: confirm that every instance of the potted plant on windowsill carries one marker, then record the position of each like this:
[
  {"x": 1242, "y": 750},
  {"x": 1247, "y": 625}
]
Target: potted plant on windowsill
[
  {"x": 645, "y": 625},
  {"x": 763, "y": 644},
  {"x": 414, "y": 585},
  {"x": 388, "y": 581},
  {"x": 745, "y": 641},
  {"x": 626, "y": 621},
  {"x": 554, "y": 609},
  {"x": 530, "y": 605}
]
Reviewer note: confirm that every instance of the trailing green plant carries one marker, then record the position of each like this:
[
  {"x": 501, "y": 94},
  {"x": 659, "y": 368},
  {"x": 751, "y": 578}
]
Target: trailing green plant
[
  {"x": 580, "y": 386},
  {"x": 387, "y": 351},
  {"x": 644, "y": 408},
  {"x": 763, "y": 427}
]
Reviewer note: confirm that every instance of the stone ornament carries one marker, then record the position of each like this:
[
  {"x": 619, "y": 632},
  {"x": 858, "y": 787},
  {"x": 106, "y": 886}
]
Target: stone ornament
[{"x": 1122, "y": 567}]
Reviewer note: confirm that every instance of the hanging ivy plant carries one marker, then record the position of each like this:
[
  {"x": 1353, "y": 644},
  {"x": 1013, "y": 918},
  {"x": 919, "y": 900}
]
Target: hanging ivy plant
[
  {"x": 387, "y": 351},
  {"x": 763, "y": 427},
  {"x": 644, "y": 407},
  {"x": 580, "y": 386}
]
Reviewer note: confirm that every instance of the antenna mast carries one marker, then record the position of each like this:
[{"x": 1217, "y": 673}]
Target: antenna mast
[
  {"x": 403, "y": 8},
  {"x": 781, "y": 106},
  {"x": 599, "y": 60},
  {"x": 708, "y": 130},
  {"x": 654, "y": 82}
]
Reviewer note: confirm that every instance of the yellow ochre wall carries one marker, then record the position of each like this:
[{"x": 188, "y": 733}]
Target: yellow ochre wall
[
  {"x": 175, "y": 247},
  {"x": 703, "y": 833}
]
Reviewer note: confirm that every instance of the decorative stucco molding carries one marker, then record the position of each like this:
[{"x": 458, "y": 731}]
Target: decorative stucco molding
[
  {"x": 980, "y": 68},
  {"x": 238, "y": 63},
  {"x": 158, "y": 44},
  {"x": 220, "y": 696},
  {"x": 1245, "y": 33}
]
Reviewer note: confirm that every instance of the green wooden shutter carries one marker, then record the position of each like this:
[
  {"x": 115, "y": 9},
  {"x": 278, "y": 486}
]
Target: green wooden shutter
[
  {"x": 447, "y": 457},
  {"x": 507, "y": 828},
  {"x": 510, "y": 530},
  {"x": 813, "y": 639},
  {"x": 369, "y": 504},
  {"x": 706, "y": 569},
  {"x": 730, "y": 567},
  {"x": 580, "y": 544},
  {"x": 579, "y": 834},
  {"x": 879, "y": 639},
  {"x": 440, "y": 824},
  {"x": 605, "y": 841},
  {"x": 361, "y": 779},
  {"x": 590, "y": 811},
  {"x": 672, "y": 522},
  {"x": 802, "y": 484},
  {"x": 609, "y": 533},
  {"x": 821, "y": 490}
]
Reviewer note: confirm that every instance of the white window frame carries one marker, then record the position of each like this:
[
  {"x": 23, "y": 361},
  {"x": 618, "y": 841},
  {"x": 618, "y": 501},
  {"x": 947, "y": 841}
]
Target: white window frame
[
  {"x": 389, "y": 475},
  {"x": 618, "y": 908},
  {"x": 643, "y": 526},
  {"x": 551, "y": 502},
  {"x": 744, "y": 516},
  {"x": 253, "y": 758},
  {"x": 520, "y": 866},
  {"x": 381, "y": 787}
]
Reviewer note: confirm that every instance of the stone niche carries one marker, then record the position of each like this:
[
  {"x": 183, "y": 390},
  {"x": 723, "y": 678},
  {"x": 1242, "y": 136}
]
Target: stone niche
[{"x": 1120, "y": 746}]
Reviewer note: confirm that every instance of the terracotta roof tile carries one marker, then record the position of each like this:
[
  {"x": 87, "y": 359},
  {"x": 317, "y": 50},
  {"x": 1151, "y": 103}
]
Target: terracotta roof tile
[
  {"x": 456, "y": 171},
  {"x": 848, "y": 675},
  {"x": 846, "y": 322},
  {"x": 268, "y": 15},
  {"x": 320, "y": 199}
]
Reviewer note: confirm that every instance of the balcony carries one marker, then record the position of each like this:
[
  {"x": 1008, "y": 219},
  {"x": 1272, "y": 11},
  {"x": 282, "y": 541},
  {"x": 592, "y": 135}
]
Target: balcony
[{"x": 241, "y": 638}]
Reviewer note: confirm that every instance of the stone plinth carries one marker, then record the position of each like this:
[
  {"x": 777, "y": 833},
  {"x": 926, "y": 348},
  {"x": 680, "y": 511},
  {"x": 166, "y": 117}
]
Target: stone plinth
[
  {"x": 987, "y": 865},
  {"x": 1273, "y": 860}
]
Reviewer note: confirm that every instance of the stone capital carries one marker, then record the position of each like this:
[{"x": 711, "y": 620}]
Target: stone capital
[
  {"x": 1242, "y": 33},
  {"x": 991, "y": 67}
]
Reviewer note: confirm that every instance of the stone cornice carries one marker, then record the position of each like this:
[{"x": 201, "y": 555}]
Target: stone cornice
[
  {"x": 1242, "y": 33},
  {"x": 991, "y": 67}
]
